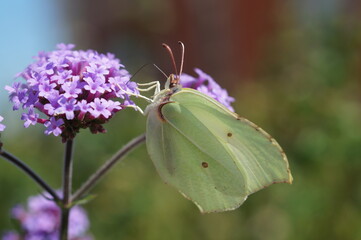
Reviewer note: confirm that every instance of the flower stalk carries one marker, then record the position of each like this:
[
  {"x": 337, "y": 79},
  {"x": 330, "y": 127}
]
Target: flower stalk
[
  {"x": 67, "y": 186},
  {"x": 94, "y": 179},
  {"x": 31, "y": 173}
]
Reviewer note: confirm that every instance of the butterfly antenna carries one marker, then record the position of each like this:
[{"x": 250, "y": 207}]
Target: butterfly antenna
[
  {"x": 171, "y": 56},
  {"x": 182, "y": 59},
  {"x": 145, "y": 65},
  {"x": 160, "y": 70}
]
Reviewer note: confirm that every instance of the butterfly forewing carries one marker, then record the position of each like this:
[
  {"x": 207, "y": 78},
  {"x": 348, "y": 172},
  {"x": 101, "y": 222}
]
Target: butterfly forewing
[{"x": 256, "y": 154}]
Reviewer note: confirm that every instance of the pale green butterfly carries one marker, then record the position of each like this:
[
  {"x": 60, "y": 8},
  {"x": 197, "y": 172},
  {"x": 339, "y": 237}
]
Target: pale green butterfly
[{"x": 211, "y": 155}]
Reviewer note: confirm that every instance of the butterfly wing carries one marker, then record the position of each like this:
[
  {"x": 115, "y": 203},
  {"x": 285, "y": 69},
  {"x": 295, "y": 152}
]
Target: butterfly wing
[
  {"x": 254, "y": 151},
  {"x": 210, "y": 184},
  {"x": 211, "y": 155}
]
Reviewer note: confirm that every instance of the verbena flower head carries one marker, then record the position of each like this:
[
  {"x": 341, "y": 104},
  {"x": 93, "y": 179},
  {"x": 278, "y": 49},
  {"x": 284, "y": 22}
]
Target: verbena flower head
[
  {"x": 2, "y": 126},
  {"x": 11, "y": 236},
  {"x": 41, "y": 220},
  {"x": 67, "y": 90},
  {"x": 205, "y": 84}
]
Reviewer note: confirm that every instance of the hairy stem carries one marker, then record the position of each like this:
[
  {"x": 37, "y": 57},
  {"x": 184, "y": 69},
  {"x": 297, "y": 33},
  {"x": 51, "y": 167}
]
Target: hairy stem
[
  {"x": 93, "y": 179},
  {"x": 21, "y": 165},
  {"x": 67, "y": 180}
]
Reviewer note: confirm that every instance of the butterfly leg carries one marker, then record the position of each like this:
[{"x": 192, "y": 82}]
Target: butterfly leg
[
  {"x": 136, "y": 95},
  {"x": 155, "y": 85},
  {"x": 136, "y": 108}
]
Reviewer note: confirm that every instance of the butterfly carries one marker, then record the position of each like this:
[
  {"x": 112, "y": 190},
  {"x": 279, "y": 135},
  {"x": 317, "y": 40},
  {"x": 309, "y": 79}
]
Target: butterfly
[{"x": 211, "y": 155}]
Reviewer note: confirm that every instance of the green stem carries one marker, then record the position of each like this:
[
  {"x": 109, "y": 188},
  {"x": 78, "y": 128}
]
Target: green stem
[
  {"x": 93, "y": 179},
  {"x": 21, "y": 165},
  {"x": 67, "y": 181}
]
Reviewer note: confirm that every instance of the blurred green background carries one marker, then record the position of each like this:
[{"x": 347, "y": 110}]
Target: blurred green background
[{"x": 293, "y": 67}]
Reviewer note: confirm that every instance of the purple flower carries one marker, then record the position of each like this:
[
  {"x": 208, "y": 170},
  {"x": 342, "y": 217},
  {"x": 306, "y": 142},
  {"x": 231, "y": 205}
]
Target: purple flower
[
  {"x": 98, "y": 70},
  {"x": 41, "y": 220},
  {"x": 62, "y": 76},
  {"x": 83, "y": 106},
  {"x": 100, "y": 107},
  {"x": 205, "y": 84},
  {"x": 73, "y": 90},
  {"x": 30, "y": 117},
  {"x": 113, "y": 106},
  {"x": 67, "y": 107},
  {"x": 94, "y": 85},
  {"x": 53, "y": 126},
  {"x": 17, "y": 94},
  {"x": 120, "y": 84},
  {"x": 2, "y": 126},
  {"x": 78, "y": 222},
  {"x": 11, "y": 236},
  {"x": 46, "y": 89}
]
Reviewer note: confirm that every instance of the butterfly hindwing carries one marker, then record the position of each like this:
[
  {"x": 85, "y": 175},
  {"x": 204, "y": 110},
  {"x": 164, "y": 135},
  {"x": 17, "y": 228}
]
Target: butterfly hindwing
[{"x": 211, "y": 185}]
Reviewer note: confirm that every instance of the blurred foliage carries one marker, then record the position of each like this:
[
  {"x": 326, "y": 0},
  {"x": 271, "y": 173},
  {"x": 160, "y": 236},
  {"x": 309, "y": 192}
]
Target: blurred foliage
[{"x": 307, "y": 96}]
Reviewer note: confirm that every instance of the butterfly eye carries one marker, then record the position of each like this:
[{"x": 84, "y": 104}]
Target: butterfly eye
[{"x": 173, "y": 81}]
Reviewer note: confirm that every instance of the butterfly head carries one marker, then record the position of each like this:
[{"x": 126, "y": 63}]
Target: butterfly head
[{"x": 174, "y": 79}]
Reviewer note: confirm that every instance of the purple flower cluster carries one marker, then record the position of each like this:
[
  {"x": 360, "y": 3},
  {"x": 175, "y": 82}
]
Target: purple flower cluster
[
  {"x": 2, "y": 126},
  {"x": 41, "y": 220},
  {"x": 205, "y": 84},
  {"x": 72, "y": 90}
]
